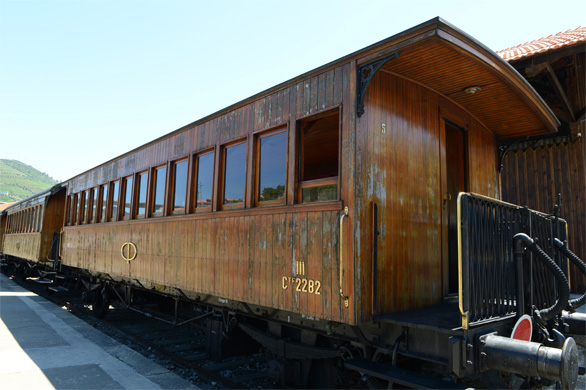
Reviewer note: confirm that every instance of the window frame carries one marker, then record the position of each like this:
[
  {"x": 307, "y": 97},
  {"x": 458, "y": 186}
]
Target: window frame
[
  {"x": 39, "y": 220},
  {"x": 153, "y": 189},
  {"x": 123, "y": 198},
  {"x": 172, "y": 187},
  {"x": 222, "y": 178},
  {"x": 75, "y": 210},
  {"x": 113, "y": 217},
  {"x": 94, "y": 201},
  {"x": 136, "y": 197},
  {"x": 283, "y": 128},
  {"x": 81, "y": 216},
  {"x": 301, "y": 184},
  {"x": 195, "y": 178},
  {"x": 103, "y": 203}
]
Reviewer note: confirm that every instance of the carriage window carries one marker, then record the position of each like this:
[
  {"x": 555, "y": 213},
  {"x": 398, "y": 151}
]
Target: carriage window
[
  {"x": 272, "y": 167},
  {"x": 94, "y": 217},
  {"x": 39, "y": 220},
  {"x": 160, "y": 179},
  {"x": 69, "y": 208},
  {"x": 142, "y": 187},
  {"x": 204, "y": 181},
  {"x": 127, "y": 197},
  {"x": 104, "y": 214},
  {"x": 74, "y": 212},
  {"x": 179, "y": 187},
  {"x": 81, "y": 209},
  {"x": 88, "y": 206},
  {"x": 318, "y": 159},
  {"x": 115, "y": 195},
  {"x": 234, "y": 174},
  {"x": 34, "y": 219}
]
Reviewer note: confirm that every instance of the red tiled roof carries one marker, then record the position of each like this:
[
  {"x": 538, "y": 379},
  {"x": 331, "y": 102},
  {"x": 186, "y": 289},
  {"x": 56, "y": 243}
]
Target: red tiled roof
[
  {"x": 5, "y": 205},
  {"x": 541, "y": 45}
]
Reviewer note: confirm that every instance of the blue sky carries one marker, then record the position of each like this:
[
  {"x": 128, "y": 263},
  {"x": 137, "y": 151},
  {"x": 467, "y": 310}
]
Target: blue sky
[{"x": 84, "y": 81}]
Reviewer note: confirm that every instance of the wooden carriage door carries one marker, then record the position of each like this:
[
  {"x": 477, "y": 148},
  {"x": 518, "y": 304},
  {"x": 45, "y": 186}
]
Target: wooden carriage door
[{"x": 453, "y": 181}]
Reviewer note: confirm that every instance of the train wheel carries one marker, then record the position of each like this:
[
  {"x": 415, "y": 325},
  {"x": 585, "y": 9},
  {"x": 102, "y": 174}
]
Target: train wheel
[{"x": 101, "y": 305}]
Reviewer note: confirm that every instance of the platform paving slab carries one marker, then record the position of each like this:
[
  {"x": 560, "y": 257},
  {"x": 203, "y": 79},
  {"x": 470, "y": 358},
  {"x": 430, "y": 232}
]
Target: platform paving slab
[{"x": 43, "y": 346}]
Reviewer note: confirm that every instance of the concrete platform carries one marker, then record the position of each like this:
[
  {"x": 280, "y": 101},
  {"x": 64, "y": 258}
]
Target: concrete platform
[{"x": 45, "y": 347}]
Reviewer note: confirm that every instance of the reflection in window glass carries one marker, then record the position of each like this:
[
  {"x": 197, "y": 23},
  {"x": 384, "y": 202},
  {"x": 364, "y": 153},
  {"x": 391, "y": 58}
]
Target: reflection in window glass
[
  {"x": 127, "y": 196},
  {"x": 235, "y": 174},
  {"x": 84, "y": 215},
  {"x": 33, "y": 219},
  {"x": 180, "y": 186},
  {"x": 115, "y": 193},
  {"x": 142, "y": 194},
  {"x": 41, "y": 213},
  {"x": 104, "y": 202},
  {"x": 159, "y": 194},
  {"x": 70, "y": 216},
  {"x": 273, "y": 167},
  {"x": 94, "y": 206},
  {"x": 74, "y": 210},
  {"x": 39, "y": 219},
  {"x": 205, "y": 180},
  {"x": 320, "y": 194}
]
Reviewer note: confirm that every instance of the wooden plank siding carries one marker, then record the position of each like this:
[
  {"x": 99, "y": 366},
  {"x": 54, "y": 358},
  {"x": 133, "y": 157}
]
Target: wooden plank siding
[
  {"x": 3, "y": 219},
  {"x": 398, "y": 168},
  {"x": 23, "y": 245},
  {"x": 257, "y": 254},
  {"x": 204, "y": 255},
  {"x": 535, "y": 177},
  {"x": 240, "y": 254},
  {"x": 34, "y": 224}
]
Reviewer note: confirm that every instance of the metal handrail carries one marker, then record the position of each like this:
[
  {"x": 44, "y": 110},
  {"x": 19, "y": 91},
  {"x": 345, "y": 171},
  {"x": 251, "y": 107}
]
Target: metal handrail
[
  {"x": 343, "y": 214},
  {"x": 488, "y": 286}
]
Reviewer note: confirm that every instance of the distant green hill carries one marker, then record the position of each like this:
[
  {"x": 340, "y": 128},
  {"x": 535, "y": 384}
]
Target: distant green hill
[{"x": 19, "y": 181}]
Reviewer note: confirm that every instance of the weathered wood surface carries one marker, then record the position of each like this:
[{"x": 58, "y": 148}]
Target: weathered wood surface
[
  {"x": 23, "y": 245},
  {"x": 285, "y": 106},
  {"x": 535, "y": 177},
  {"x": 238, "y": 257},
  {"x": 399, "y": 169},
  {"x": 242, "y": 253}
]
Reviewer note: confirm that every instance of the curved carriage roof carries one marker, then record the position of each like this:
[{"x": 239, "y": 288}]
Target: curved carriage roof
[
  {"x": 33, "y": 200},
  {"x": 443, "y": 58},
  {"x": 447, "y": 60}
]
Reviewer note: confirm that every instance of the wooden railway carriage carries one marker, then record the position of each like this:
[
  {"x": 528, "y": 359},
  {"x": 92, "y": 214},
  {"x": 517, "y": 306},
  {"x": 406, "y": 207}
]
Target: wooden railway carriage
[
  {"x": 328, "y": 206},
  {"x": 30, "y": 229}
]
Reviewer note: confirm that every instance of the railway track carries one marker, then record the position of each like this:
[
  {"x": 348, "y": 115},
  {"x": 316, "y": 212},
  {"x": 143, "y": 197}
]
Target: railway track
[{"x": 180, "y": 348}]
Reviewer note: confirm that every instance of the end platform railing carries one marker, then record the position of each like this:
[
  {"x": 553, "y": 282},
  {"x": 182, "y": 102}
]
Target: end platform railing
[{"x": 488, "y": 273}]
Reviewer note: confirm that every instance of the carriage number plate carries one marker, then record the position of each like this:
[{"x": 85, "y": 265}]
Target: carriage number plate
[{"x": 302, "y": 285}]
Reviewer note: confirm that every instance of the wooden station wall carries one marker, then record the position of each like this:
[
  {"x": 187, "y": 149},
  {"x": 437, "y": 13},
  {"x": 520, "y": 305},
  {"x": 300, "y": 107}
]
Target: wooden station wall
[
  {"x": 535, "y": 177},
  {"x": 398, "y": 168},
  {"x": 249, "y": 254}
]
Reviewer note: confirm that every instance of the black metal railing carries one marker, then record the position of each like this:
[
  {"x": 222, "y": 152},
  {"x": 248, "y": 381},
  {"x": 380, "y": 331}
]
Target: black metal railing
[{"x": 488, "y": 273}]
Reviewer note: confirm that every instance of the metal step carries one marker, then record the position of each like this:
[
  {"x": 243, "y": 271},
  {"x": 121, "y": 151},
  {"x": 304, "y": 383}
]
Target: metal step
[
  {"x": 41, "y": 280},
  {"x": 57, "y": 289},
  {"x": 63, "y": 277},
  {"x": 400, "y": 376}
]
